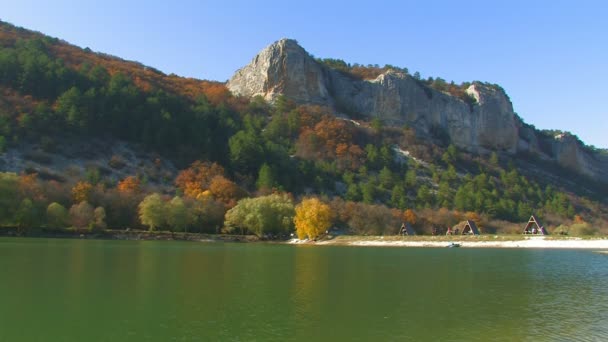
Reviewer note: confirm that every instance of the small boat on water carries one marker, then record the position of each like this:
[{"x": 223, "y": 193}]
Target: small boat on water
[{"x": 453, "y": 245}]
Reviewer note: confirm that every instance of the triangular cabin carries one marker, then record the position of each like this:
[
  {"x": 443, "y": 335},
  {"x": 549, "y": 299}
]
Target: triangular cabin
[
  {"x": 406, "y": 229},
  {"x": 534, "y": 227},
  {"x": 470, "y": 228}
]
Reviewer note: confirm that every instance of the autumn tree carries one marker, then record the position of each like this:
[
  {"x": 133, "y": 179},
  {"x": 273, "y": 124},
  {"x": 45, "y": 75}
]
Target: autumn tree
[
  {"x": 441, "y": 217},
  {"x": 329, "y": 138},
  {"x": 226, "y": 191},
  {"x": 57, "y": 215},
  {"x": 121, "y": 208},
  {"x": 129, "y": 184},
  {"x": 313, "y": 218},
  {"x": 194, "y": 180},
  {"x": 55, "y": 191},
  {"x": 82, "y": 215},
  {"x": 369, "y": 219},
  {"x": 216, "y": 93},
  {"x": 152, "y": 211},
  {"x": 349, "y": 157},
  {"x": 410, "y": 216},
  {"x": 81, "y": 192},
  {"x": 30, "y": 187},
  {"x": 473, "y": 216},
  {"x": 99, "y": 217}
]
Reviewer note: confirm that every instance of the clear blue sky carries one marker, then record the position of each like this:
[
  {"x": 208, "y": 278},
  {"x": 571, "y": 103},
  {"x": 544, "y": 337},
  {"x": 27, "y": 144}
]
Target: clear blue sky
[{"x": 550, "y": 56}]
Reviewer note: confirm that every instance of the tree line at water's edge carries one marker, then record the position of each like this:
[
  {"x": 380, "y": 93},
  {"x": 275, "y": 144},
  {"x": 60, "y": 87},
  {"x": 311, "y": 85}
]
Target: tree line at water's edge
[{"x": 247, "y": 166}]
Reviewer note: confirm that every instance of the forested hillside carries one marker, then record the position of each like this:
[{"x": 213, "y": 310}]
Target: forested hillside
[{"x": 246, "y": 165}]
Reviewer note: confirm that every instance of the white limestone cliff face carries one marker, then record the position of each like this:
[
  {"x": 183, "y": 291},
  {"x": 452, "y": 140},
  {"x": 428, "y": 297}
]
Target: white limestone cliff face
[
  {"x": 400, "y": 99},
  {"x": 497, "y": 127},
  {"x": 569, "y": 152},
  {"x": 285, "y": 68}
]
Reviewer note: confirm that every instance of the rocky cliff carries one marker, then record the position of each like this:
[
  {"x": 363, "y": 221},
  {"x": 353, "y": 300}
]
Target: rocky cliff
[{"x": 487, "y": 123}]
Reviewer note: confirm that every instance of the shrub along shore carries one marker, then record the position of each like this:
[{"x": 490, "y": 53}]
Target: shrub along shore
[{"x": 112, "y": 234}]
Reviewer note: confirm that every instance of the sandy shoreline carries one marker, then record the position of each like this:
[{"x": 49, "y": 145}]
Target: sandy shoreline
[
  {"x": 535, "y": 242},
  {"x": 482, "y": 241}
]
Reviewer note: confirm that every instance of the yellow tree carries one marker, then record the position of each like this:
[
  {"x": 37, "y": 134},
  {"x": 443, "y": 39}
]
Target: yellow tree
[
  {"x": 313, "y": 217},
  {"x": 81, "y": 192}
]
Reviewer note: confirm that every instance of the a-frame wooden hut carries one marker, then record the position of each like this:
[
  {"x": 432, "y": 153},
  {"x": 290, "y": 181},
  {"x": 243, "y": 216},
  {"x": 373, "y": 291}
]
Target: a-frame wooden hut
[
  {"x": 406, "y": 229},
  {"x": 470, "y": 228},
  {"x": 534, "y": 227}
]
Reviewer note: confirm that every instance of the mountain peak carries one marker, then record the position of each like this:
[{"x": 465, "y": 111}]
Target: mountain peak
[
  {"x": 282, "y": 68},
  {"x": 286, "y": 42}
]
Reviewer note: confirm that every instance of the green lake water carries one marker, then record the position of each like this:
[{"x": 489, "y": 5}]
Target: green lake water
[{"x": 84, "y": 290}]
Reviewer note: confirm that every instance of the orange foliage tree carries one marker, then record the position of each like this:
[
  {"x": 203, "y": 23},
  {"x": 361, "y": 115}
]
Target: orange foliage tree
[
  {"x": 216, "y": 93},
  {"x": 30, "y": 187},
  {"x": 473, "y": 216},
  {"x": 309, "y": 116},
  {"x": 352, "y": 158},
  {"x": 81, "y": 192},
  {"x": 410, "y": 216},
  {"x": 129, "y": 184},
  {"x": 323, "y": 136},
  {"x": 194, "y": 180},
  {"x": 226, "y": 191}
]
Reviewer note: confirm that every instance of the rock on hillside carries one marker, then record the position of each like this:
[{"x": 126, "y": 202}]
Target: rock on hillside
[
  {"x": 282, "y": 68},
  {"x": 285, "y": 68}
]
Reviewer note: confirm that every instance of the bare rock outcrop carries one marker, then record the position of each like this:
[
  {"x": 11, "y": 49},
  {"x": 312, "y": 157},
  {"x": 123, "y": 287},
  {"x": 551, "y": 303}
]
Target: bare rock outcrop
[
  {"x": 283, "y": 68},
  {"x": 572, "y": 154},
  {"x": 486, "y": 124}
]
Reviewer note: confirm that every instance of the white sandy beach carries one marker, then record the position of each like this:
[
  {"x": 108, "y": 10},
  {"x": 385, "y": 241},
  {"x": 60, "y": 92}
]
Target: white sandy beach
[{"x": 533, "y": 242}]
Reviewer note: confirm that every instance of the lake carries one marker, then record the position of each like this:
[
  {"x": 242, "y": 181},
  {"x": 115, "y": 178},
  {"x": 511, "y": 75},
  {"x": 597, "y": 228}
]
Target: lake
[{"x": 86, "y": 290}]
